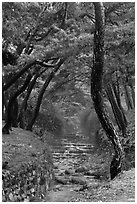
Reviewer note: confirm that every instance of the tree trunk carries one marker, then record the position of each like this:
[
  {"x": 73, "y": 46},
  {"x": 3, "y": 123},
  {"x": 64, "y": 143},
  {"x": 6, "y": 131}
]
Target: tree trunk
[
  {"x": 96, "y": 89},
  {"x": 3, "y": 106},
  {"x": 127, "y": 98},
  {"x": 40, "y": 96},
  {"x": 112, "y": 101},
  {"x": 14, "y": 114},
  {"x": 24, "y": 103},
  {"x": 116, "y": 110},
  {"x": 7, "y": 126},
  {"x": 117, "y": 95},
  {"x": 5, "y": 97},
  {"x": 19, "y": 74},
  {"x": 133, "y": 93}
]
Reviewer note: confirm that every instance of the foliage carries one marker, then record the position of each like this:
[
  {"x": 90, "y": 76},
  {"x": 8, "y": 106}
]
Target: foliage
[
  {"x": 44, "y": 33},
  {"x": 68, "y": 33},
  {"x": 49, "y": 118},
  {"x": 26, "y": 167}
]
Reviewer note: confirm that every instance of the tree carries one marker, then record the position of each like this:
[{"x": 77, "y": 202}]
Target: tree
[
  {"x": 40, "y": 96},
  {"x": 7, "y": 126},
  {"x": 117, "y": 110},
  {"x": 96, "y": 89},
  {"x": 24, "y": 103},
  {"x": 38, "y": 33}
]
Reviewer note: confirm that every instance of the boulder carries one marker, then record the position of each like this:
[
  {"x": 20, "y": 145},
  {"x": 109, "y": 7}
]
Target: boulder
[
  {"x": 81, "y": 169},
  {"x": 69, "y": 172},
  {"x": 61, "y": 180},
  {"x": 78, "y": 180}
]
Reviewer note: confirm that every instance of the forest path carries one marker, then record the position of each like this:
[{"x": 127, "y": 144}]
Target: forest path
[
  {"x": 82, "y": 173},
  {"x": 72, "y": 170},
  {"x": 82, "y": 176}
]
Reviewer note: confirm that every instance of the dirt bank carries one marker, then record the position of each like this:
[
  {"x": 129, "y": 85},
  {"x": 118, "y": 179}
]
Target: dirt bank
[{"x": 26, "y": 167}]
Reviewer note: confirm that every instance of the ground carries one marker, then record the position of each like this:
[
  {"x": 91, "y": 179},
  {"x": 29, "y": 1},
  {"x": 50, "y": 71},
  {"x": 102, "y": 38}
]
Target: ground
[
  {"x": 26, "y": 167},
  {"x": 81, "y": 172}
]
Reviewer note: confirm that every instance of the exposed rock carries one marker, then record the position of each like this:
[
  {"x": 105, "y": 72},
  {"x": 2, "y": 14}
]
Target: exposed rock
[
  {"x": 88, "y": 173},
  {"x": 77, "y": 180},
  {"x": 69, "y": 171},
  {"x": 81, "y": 169},
  {"x": 61, "y": 180}
]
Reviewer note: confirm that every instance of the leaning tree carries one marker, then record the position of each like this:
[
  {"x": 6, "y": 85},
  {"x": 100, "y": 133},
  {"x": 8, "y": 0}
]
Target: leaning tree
[{"x": 96, "y": 89}]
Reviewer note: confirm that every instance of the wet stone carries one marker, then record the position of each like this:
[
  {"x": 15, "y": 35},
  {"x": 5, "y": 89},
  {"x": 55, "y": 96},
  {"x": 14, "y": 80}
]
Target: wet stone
[
  {"x": 76, "y": 180},
  {"x": 81, "y": 169},
  {"x": 88, "y": 173},
  {"x": 61, "y": 180},
  {"x": 69, "y": 172}
]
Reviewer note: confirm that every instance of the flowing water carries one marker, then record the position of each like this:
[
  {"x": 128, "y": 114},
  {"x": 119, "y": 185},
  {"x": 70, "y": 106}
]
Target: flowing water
[
  {"x": 73, "y": 144},
  {"x": 71, "y": 154}
]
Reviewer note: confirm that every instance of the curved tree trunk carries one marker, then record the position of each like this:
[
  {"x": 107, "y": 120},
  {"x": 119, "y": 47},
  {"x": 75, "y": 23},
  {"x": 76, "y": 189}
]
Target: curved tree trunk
[
  {"x": 24, "y": 103},
  {"x": 39, "y": 100},
  {"x": 7, "y": 126},
  {"x": 19, "y": 74},
  {"x": 96, "y": 89}
]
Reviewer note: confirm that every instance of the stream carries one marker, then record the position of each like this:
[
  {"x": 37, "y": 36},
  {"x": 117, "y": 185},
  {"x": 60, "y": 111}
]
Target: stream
[{"x": 72, "y": 167}]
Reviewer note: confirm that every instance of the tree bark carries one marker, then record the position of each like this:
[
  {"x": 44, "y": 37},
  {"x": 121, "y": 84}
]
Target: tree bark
[
  {"x": 19, "y": 74},
  {"x": 5, "y": 97},
  {"x": 26, "y": 67},
  {"x": 118, "y": 99},
  {"x": 96, "y": 89},
  {"x": 39, "y": 100},
  {"x": 7, "y": 126},
  {"x": 14, "y": 112},
  {"x": 116, "y": 110},
  {"x": 112, "y": 101},
  {"x": 2, "y": 106},
  {"x": 117, "y": 93},
  {"x": 132, "y": 93},
  {"x": 127, "y": 98},
  {"x": 24, "y": 103}
]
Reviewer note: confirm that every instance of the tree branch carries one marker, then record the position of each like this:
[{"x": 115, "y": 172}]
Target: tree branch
[
  {"x": 31, "y": 35},
  {"x": 42, "y": 91}
]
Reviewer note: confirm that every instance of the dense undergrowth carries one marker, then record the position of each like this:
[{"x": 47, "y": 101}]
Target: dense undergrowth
[{"x": 27, "y": 169}]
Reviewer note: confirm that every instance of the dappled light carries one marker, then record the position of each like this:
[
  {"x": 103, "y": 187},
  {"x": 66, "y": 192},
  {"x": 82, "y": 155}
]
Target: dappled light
[{"x": 68, "y": 102}]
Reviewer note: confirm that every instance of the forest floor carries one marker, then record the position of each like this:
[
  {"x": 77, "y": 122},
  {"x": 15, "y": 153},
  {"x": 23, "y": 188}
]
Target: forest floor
[{"x": 85, "y": 177}]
